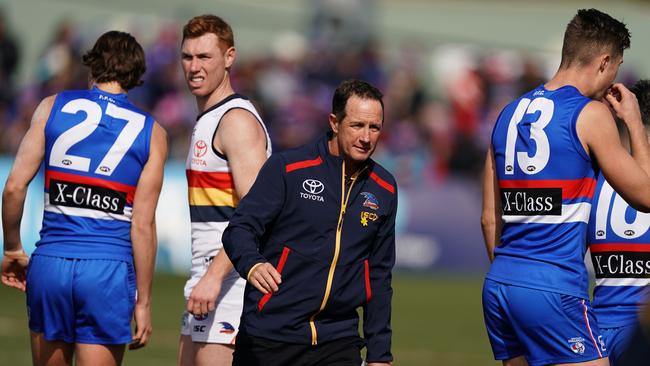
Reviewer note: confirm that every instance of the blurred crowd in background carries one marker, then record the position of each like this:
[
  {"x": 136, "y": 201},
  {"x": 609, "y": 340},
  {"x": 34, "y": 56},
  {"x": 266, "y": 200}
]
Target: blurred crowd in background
[{"x": 438, "y": 118}]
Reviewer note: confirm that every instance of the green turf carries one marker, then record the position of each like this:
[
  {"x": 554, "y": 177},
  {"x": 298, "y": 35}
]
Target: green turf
[{"x": 436, "y": 321}]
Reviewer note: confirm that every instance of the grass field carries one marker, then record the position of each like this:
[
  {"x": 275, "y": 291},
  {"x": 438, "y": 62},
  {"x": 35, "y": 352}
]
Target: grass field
[{"x": 436, "y": 321}]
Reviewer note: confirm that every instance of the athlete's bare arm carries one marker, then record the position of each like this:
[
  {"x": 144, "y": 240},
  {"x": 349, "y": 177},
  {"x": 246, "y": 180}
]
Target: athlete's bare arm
[
  {"x": 143, "y": 232},
  {"x": 491, "y": 216},
  {"x": 28, "y": 160},
  {"x": 628, "y": 174},
  {"x": 241, "y": 138}
]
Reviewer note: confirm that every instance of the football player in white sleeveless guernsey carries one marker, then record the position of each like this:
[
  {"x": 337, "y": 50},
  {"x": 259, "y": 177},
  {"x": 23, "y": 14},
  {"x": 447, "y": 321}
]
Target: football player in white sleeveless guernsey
[
  {"x": 229, "y": 146},
  {"x": 103, "y": 160}
]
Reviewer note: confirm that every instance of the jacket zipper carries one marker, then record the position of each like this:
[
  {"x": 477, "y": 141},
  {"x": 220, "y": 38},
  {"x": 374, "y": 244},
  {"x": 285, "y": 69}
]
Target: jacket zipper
[{"x": 337, "y": 248}]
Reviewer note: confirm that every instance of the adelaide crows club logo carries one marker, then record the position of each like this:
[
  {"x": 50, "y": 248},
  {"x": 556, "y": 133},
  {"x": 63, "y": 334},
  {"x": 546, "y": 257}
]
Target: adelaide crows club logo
[
  {"x": 226, "y": 328},
  {"x": 370, "y": 201},
  {"x": 200, "y": 148}
]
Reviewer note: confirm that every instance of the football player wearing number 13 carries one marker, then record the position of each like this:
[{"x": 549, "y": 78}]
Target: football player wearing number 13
[
  {"x": 104, "y": 162},
  {"x": 540, "y": 176}
]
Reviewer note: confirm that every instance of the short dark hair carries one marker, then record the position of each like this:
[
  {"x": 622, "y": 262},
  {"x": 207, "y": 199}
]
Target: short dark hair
[
  {"x": 642, "y": 91},
  {"x": 591, "y": 32},
  {"x": 208, "y": 23},
  {"x": 349, "y": 88},
  {"x": 116, "y": 56}
]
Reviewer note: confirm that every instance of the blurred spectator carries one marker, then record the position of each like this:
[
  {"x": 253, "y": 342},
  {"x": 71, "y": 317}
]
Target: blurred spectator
[
  {"x": 60, "y": 66},
  {"x": 438, "y": 125},
  {"x": 8, "y": 63}
]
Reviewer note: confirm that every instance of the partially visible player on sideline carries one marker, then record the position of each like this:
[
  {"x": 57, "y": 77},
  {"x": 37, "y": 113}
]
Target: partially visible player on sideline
[
  {"x": 619, "y": 242},
  {"x": 229, "y": 146},
  {"x": 104, "y": 161},
  {"x": 539, "y": 182}
]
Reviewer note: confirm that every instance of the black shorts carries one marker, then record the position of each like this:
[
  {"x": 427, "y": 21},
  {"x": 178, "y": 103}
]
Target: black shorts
[{"x": 256, "y": 351}]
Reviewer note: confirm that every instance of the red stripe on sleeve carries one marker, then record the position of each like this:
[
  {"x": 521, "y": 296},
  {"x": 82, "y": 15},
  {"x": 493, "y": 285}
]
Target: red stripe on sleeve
[
  {"x": 303, "y": 164},
  {"x": 387, "y": 186},
  {"x": 98, "y": 182},
  {"x": 197, "y": 179},
  {"x": 571, "y": 188}
]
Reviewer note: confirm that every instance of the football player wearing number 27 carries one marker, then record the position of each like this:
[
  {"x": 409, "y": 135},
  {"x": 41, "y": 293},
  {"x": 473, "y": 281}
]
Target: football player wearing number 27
[
  {"x": 540, "y": 176},
  {"x": 103, "y": 161}
]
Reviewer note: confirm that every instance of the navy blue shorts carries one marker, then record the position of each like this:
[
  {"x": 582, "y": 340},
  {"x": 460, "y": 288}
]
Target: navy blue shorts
[
  {"x": 257, "y": 351},
  {"x": 545, "y": 327},
  {"x": 81, "y": 300},
  {"x": 617, "y": 340}
]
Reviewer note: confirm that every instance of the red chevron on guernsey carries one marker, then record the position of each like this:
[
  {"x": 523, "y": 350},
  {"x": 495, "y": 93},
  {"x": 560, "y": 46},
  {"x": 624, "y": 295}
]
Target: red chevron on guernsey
[
  {"x": 619, "y": 247},
  {"x": 198, "y": 179},
  {"x": 571, "y": 188},
  {"x": 98, "y": 182}
]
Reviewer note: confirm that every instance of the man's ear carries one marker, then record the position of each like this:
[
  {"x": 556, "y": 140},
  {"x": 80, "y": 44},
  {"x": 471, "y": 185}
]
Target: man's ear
[
  {"x": 230, "y": 55},
  {"x": 334, "y": 123},
  {"x": 604, "y": 62}
]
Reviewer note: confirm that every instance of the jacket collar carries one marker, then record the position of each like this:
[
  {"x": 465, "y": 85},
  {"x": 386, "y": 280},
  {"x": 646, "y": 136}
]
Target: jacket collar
[{"x": 324, "y": 152}]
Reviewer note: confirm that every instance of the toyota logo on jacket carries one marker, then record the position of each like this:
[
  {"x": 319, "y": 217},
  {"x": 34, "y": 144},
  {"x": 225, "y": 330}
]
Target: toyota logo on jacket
[{"x": 331, "y": 238}]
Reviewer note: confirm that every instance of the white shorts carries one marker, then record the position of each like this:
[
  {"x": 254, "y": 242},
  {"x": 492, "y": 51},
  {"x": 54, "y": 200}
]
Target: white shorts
[{"x": 221, "y": 324}]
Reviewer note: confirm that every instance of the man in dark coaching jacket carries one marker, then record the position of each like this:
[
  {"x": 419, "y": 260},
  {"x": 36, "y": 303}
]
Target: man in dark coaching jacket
[{"x": 315, "y": 238}]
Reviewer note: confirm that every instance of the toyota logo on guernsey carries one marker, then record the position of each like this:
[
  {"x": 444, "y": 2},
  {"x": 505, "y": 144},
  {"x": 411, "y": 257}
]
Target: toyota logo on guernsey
[{"x": 312, "y": 188}]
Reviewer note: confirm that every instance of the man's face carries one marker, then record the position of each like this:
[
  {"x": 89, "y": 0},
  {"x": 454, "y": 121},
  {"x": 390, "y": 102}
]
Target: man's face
[
  {"x": 357, "y": 134},
  {"x": 204, "y": 63}
]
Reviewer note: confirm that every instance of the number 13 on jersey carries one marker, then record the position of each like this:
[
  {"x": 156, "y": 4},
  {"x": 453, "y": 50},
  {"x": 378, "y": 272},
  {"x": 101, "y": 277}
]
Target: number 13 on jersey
[{"x": 529, "y": 164}]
